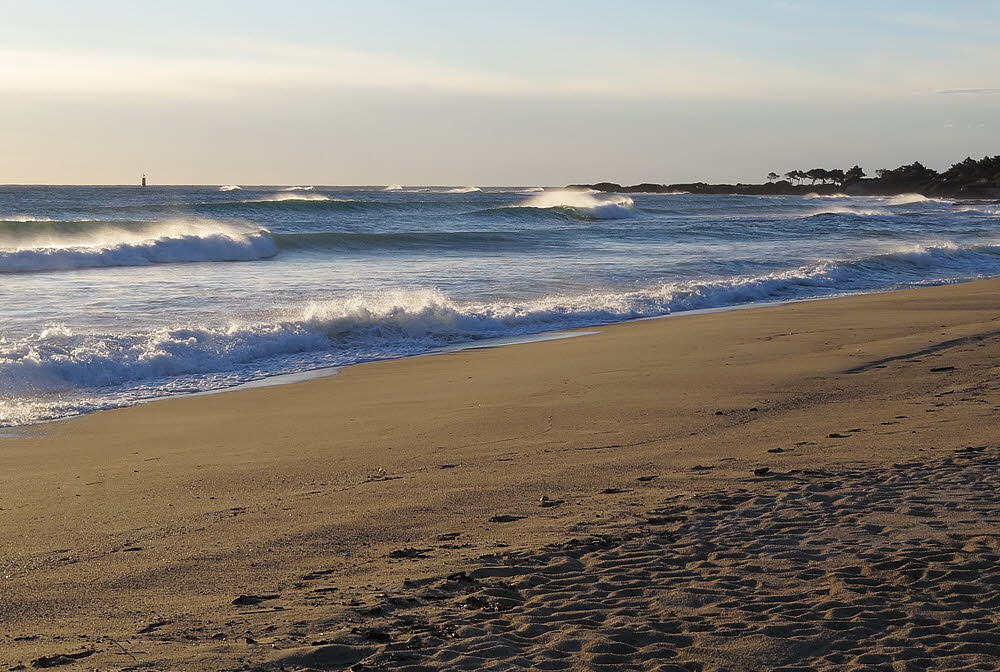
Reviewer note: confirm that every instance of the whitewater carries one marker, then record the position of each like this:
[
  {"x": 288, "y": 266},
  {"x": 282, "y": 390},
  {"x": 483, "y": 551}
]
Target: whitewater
[{"x": 116, "y": 295}]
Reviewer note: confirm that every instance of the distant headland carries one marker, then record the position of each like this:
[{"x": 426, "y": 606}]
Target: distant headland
[{"x": 971, "y": 178}]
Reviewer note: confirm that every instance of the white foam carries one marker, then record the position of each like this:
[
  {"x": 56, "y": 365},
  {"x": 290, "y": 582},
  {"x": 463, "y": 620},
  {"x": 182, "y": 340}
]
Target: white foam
[
  {"x": 108, "y": 245},
  {"x": 984, "y": 209},
  {"x": 382, "y": 324},
  {"x": 394, "y": 187},
  {"x": 229, "y": 187},
  {"x": 464, "y": 190},
  {"x": 290, "y": 197},
  {"x": 813, "y": 195},
  {"x": 298, "y": 189},
  {"x": 603, "y": 206},
  {"x": 395, "y": 323},
  {"x": 906, "y": 199}
]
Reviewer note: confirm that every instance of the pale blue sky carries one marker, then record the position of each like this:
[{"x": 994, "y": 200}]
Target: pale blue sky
[{"x": 489, "y": 93}]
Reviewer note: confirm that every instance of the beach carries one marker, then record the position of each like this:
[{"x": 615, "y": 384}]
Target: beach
[{"x": 807, "y": 486}]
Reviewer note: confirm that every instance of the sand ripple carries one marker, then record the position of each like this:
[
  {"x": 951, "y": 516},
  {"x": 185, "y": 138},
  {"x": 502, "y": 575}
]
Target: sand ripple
[{"x": 854, "y": 569}]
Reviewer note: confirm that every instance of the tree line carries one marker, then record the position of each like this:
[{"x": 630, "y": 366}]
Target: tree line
[
  {"x": 822, "y": 175},
  {"x": 984, "y": 171}
]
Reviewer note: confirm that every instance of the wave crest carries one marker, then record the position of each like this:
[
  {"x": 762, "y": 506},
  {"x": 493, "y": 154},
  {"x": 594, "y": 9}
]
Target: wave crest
[
  {"x": 68, "y": 246},
  {"x": 584, "y": 203},
  {"x": 394, "y": 323},
  {"x": 812, "y": 195},
  {"x": 906, "y": 199},
  {"x": 848, "y": 210},
  {"x": 279, "y": 198},
  {"x": 983, "y": 209}
]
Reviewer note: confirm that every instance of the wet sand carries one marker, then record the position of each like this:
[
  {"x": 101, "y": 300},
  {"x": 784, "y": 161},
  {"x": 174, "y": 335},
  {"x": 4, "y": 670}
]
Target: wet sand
[{"x": 801, "y": 487}]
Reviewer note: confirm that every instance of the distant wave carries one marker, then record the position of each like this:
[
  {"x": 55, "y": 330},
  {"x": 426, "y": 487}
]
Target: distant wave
[
  {"x": 73, "y": 246},
  {"x": 298, "y": 201},
  {"x": 229, "y": 187},
  {"x": 280, "y": 197},
  {"x": 394, "y": 187},
  {"x": 899, "y": 199},
  {"x": 906, "y": 199},
  {"x": 532, "y": 190},
  {"x": 285, "y": 201},
  {"x": 464, "y": 190},
  {"x": 984, "y": 209},
  {"x": 583, "y": 205},
  {"x": 848, "y": 210},
  {"x": 813, "y": 195},
  {"x": 290, "y": 197},
  {"x": 395, "y": 323},
  {"x": 298, "y": 189},
  {"x": 518, "y": 212},
  {"x": 404, "y": 240}
]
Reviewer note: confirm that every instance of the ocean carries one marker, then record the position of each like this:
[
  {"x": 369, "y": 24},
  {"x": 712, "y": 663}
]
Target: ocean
[{"x": 110, "y": 296}]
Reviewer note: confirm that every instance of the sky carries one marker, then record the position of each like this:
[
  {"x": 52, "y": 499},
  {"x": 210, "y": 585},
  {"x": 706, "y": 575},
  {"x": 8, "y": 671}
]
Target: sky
[{"x": 489, "y": 93}]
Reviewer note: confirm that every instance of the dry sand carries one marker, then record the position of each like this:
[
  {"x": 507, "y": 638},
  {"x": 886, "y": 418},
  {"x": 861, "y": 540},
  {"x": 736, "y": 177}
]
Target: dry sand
[{"x": 389, "y": 517}]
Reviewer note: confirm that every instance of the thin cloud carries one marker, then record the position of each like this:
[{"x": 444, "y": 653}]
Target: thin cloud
[
  {"x": 939, "y": 23},
  {"x": 248, "y": 68},
  {"x": 240, "y": 70},
  {"x": 974, "y": 92}
]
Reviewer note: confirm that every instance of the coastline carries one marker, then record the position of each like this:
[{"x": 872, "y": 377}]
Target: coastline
[
  {"x": 863, "y": 188},
  {"x": 292, "y": 377},
  {"x": 245, "y": 336},
  {"x": 165, "y": 513}
]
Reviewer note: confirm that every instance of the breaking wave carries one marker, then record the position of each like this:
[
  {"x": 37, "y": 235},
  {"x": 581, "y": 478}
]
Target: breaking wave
[
  {"x": 298, "y": 189},
  {"x": 280, "y": 198},
  {"x": 229, "y": 187},
  {"x": 72, "y": 245},
  {"x": 983, "y": 209},
  {"x": 585, "y": 205},
  {"x": 396, "y": 323},
  {"x": 848, "y": 210},
  {"x": 813, "y": 195},
  {"x": 906, "y": 199},
  {"x": 464, "y": 190},
  {"x": 394, "y": 187}
]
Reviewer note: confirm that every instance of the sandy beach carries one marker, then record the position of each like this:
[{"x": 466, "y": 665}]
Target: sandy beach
[{"x": 809, "y": 486}]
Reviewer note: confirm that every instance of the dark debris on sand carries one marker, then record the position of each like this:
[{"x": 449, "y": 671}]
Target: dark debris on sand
[{"x": 60, "y": 659}]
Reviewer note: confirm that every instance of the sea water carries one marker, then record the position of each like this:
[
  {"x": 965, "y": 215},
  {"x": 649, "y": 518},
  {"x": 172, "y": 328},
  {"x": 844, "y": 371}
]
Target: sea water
[{"x": 114, "y": 295}]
